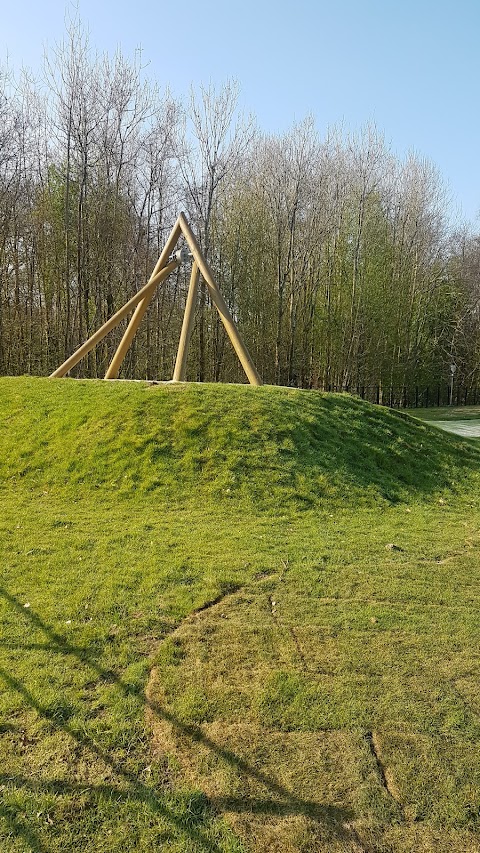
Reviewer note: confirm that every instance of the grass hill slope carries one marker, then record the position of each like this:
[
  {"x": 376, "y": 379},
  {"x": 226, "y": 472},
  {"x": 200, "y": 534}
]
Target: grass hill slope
[
  {"x": 265, "y": 446},
  {"x": 235, "y": 620}
]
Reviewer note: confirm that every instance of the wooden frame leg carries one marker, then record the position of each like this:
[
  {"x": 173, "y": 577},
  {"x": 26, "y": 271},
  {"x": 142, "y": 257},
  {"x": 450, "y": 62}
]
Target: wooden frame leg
[
  {"x": 141, "y": 308},
  {"x": 188, "y": 318},
  {"x": 220, "y": 304},
  {"x": 113, "y": 321}
]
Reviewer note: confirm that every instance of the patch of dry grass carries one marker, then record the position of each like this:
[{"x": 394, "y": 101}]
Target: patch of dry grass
[{"x": 325, "y": 724}]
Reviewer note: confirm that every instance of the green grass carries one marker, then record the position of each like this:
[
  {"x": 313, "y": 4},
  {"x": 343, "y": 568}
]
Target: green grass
[
  {"x": 327, "y": 702},
  {"x": 258, "y": 448},
  {"x": 447, "y": 413}
]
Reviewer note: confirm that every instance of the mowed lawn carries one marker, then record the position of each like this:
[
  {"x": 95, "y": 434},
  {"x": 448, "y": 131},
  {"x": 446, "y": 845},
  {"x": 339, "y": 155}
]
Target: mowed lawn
[
  {"x": 216, "y": 642},
  {"x": 463, "y": 421}
]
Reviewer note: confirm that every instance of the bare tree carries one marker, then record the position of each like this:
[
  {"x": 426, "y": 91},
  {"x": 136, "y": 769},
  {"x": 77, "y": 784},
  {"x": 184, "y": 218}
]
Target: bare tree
[{"x": 215, "y": 141}]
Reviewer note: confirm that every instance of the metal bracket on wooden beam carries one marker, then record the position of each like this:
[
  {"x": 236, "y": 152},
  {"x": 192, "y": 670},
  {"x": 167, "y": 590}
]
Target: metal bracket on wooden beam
[{"x": 181, "y": 255}]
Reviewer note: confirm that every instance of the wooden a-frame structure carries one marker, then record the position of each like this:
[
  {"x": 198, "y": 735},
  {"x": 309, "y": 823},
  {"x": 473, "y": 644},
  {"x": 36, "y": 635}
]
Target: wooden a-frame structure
[{"x": 166, "y": 263}]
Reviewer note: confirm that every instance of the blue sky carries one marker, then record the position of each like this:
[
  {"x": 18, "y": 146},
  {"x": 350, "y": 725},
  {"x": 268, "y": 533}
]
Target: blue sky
[{"x": 410, "y": 66}]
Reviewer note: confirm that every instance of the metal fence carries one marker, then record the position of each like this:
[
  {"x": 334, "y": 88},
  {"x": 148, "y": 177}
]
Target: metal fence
[{"x": 414, "y": 397}]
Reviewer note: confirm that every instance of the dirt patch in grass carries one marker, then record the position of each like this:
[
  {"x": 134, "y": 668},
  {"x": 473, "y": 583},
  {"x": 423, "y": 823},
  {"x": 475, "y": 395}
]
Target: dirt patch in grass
[{"x": 375, "y": 742}]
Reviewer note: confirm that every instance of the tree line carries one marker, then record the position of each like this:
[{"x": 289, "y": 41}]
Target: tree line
[{"x": 335, "y": 256}]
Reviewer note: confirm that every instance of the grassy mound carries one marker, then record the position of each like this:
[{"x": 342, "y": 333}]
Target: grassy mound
[{"x": 266, "y": 446}]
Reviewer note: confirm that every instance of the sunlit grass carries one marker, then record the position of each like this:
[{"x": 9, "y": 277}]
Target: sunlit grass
[
  {"x": 447, "y": 413},
  {"x": 326, "y": 702}
]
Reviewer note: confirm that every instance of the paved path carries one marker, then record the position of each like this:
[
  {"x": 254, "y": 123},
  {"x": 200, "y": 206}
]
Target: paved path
[{"x": 468, "y": 429}]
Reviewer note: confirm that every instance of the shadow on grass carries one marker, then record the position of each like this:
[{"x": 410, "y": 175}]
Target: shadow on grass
[
  {"x": 130, "y": 787},
  {"x": 18, "y": 827}
]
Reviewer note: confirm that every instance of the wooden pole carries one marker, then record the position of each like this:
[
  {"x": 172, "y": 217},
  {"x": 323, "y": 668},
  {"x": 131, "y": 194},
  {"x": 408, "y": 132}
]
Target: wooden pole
[
  {"x": 181, "y": 362},
  {"x": 220, "y": 304},
  {"x": 107, "y": 327},
  {"x": 142, "y": 306}
]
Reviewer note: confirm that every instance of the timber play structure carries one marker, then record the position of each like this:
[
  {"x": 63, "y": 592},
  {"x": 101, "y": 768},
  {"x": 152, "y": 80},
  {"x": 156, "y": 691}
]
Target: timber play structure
[{"x": 168, "y": 261}]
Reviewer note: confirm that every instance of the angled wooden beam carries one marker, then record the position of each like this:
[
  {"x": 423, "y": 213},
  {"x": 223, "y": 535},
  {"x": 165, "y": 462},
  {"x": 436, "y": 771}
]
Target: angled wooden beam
[
  {"x": 142, "y": 306},
  {"x": 220, "y": 304},
  {"x": 188, "y": 318},
  {"x": 112, "y": 322},
  {"x": 141, "y": 300}
]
